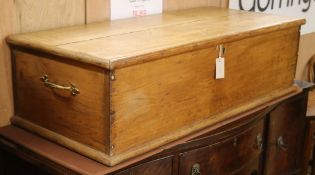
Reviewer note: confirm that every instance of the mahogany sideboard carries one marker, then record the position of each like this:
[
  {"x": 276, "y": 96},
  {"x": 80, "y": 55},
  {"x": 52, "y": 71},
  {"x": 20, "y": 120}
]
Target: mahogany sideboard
[{"x": 266, "y": 140}]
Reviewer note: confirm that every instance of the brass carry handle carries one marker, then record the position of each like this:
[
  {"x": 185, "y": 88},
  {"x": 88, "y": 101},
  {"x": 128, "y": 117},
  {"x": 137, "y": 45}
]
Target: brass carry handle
[
  {"x": 73, "y": 90},
  {"x": 281, "y": 144}
]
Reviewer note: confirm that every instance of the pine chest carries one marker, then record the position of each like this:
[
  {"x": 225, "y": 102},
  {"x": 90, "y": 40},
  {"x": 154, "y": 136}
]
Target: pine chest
[{"x": 115, "y": 90}]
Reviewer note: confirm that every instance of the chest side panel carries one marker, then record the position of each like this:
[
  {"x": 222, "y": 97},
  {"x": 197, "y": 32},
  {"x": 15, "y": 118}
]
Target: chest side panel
[{"x": 82, "y": 117}]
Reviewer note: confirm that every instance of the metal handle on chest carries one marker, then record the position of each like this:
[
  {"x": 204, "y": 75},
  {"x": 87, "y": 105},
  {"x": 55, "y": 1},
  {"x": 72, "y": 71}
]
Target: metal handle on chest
[
  {"x": 73, "y": 90},
  {"x": 195, "y": 169},
  {"x": 281, "y": 144},
  {"x": 259, "y": 142},
  {"x": 221, "y": 49}
]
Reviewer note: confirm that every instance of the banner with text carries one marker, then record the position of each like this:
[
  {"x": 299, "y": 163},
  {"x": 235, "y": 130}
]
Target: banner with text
[
  {"x": 294, "y": 8},
  {"x": 133, "y": 8}
]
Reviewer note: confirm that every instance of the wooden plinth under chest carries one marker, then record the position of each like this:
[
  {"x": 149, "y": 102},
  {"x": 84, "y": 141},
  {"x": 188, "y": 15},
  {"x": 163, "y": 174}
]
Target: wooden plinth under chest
[{"x": 115, "y": 90}]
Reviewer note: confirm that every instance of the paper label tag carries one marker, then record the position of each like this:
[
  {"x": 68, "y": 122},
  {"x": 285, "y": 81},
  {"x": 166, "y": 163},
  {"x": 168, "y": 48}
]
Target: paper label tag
[
  {"x": 219, "y": 68},
  {"x": 133, "y": 8}
]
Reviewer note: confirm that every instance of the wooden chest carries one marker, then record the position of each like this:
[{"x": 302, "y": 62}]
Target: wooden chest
[{"x": 115, "y": 90}]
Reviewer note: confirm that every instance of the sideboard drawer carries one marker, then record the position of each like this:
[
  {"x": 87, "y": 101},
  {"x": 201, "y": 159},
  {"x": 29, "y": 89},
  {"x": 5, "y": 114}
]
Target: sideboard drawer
[
  {"x": 251, "y": 168},
  {"x": 228, "y": 156},
  {"x": 157, "y": 167},
  {"x": 285, "y": 137}
]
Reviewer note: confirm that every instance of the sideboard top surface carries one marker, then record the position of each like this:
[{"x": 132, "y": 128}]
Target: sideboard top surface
[{"x": 120, "y": 43}]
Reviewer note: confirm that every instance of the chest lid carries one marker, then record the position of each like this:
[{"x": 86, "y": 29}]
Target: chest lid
[{"x": 120, "y": 43}]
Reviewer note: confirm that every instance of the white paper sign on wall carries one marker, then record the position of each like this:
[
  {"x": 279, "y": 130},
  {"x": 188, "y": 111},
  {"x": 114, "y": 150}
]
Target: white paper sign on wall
[
  {"x": 294, "y": 8},
  {"x": 133, "y": 8}
]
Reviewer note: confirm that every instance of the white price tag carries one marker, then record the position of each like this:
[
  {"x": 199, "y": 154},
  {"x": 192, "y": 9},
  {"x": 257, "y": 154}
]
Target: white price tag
[
  {"x": 133, "y": 8},
  {"x": 219, "y": 68}
]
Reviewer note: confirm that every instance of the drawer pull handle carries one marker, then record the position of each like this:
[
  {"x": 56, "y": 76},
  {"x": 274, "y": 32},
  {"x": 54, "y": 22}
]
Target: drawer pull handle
[
  {"x": 73, "y": 90},
  {"x": 259, "y": 142},
  {"x": 195, "y": 169},
  {"x": 235, "y": 142},
  {"x": 281, "y": 145}
]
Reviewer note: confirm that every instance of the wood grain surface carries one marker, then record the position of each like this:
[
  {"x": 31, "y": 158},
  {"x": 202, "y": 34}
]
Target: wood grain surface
[
  {"x": 34, "y": 15},
  {"x": 6, "y": 27},
  {"x": 131, "y": 41},
  {"x": 97, "y": 10}
]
